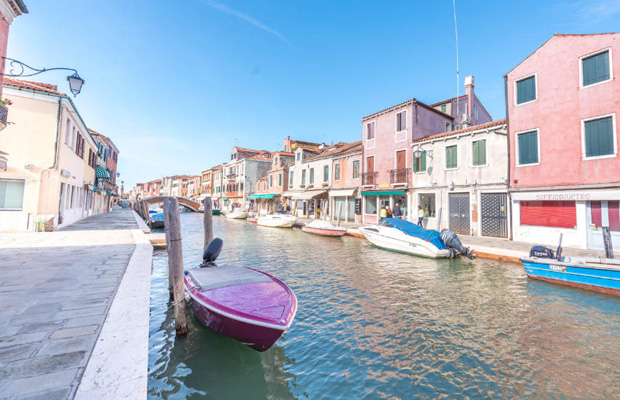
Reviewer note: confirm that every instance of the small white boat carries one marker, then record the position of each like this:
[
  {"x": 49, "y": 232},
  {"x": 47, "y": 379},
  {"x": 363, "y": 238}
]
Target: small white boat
[
  {"x": 277, "y": 220},
  {"x": 406, "y": 237},
  {"x": 237, "y": 214},
  {"x": 324, "y": 228}
]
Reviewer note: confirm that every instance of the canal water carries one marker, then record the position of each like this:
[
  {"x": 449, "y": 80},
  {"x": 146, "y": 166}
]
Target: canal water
[{"x": 373, "y": 324}]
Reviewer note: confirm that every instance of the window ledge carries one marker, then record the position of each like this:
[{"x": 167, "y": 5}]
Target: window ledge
[
  {"x": 479, "y": 166},
  {"x": 527, "y": 165},
  {"x": 581, "y": 86},
  {"x": 527, "y": 102},
  {"x": 451, "y": 169},
  {"x": 584, "y": 158}
]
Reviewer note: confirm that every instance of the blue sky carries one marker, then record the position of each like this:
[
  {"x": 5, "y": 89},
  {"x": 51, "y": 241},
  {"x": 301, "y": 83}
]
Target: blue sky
[{"x": 176, "y": 84}]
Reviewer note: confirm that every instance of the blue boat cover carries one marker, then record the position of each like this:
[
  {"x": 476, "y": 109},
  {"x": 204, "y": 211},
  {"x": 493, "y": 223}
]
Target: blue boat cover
[
  {"x": 157, "y": 217},
  {"x": 411, "y": 229}
]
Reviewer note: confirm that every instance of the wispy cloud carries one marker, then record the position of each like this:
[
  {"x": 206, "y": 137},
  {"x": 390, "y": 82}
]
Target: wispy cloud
[
  {"x": 245, "y": 17},
  {"x": 590, "y": 11}
]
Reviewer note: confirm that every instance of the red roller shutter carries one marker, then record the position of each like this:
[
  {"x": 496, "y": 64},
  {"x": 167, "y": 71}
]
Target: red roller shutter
[{"x": 557, "y": 214}]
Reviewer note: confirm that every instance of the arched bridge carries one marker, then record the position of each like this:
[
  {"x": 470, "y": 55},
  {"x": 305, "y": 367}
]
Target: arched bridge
[{"x": 192, "y": 205}]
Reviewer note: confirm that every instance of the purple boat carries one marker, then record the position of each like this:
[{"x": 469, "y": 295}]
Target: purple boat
[{"x": 248, "y": 305}]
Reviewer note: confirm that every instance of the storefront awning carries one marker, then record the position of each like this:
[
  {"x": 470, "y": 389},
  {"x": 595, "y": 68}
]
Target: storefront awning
[
  {"x": 262, "y": 196},
  {"x": 341, "y": 193},
  {"x": 384, "y": 193},
  {"x": 101, "y": 173},
  {"x": 307, "y": 195}
]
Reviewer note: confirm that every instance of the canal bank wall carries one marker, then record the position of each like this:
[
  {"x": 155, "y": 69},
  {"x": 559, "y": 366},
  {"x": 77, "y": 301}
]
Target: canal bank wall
[{"x": 74, "y": 322}]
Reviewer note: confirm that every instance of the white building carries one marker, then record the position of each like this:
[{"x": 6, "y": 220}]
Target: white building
[{"x": 460, "y": 180}]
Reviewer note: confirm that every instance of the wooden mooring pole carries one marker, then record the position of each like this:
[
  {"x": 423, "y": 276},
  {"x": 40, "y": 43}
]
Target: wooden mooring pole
[
  {"x": 208, "y": 221},
  {"x": 172, "y": 221},
  {"x": 167, "y": 234}
]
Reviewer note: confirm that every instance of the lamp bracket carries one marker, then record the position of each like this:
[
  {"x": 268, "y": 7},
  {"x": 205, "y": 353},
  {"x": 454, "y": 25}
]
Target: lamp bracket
[{"x": 17, "y": 68}]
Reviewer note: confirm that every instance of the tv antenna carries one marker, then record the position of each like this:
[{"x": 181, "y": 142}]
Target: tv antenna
[{"x": 456, "y": 35}]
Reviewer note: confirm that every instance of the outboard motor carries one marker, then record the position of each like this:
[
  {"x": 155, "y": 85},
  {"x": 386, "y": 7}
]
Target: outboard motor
[
  {"x": 455, "y": 246},
  {"x": 213, "y": 250},
  {"x": 541, "y": 252}
]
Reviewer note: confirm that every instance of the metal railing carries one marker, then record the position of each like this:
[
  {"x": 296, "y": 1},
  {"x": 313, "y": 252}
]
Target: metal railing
[
  {"x": 400, "y": 175},
  {"x": 369, "y": 178}
]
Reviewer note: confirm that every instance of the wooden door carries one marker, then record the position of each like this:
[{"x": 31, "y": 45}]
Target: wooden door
[
  {"x": 401, "y": 159},
  {"x": 370, "y": 165}
]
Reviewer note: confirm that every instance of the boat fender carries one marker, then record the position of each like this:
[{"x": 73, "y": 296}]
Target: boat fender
[{"x": 213, "y": 250}]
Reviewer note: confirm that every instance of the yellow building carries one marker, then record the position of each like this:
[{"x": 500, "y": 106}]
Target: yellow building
[{"x": 49, "y": 160}]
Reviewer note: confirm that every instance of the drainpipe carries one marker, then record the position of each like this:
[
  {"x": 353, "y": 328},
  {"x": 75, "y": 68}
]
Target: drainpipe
[
  {"x": 57, "y": 133},
  {"x": 509, "y": 205}
]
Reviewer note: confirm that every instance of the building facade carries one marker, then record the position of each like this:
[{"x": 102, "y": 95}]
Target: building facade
[
  {"x": 344, "y": 194},
  {"x": 562, "y": 121}
]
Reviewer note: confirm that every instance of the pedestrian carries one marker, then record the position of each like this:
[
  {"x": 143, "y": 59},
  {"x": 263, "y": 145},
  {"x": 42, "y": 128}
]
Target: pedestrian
[
  {"x": 389, "y": 212},
  {"x": 382, "y": 214},
  {"x": 396, "y": 211},
  {"x": 420, "y": 216}
]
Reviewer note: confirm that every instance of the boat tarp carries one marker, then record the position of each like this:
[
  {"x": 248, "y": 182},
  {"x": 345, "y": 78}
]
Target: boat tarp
[{"x": 411, "y": 229}]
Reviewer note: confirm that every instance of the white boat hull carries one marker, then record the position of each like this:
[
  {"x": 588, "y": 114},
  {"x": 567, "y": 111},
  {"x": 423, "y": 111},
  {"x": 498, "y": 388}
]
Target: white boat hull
[
  {"x": 395, "y": 240},
  {"x": 237, "y": 215},
  {"x": 277, "y": 222}
]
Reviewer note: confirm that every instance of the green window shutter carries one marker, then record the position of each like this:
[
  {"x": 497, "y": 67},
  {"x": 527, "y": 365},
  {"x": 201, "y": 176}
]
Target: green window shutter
[
  {"x": 271, "y": 181},
  {"x": 423, "y": 162},
  {"x": 325, "y": 173},
  {"x": 599, "y": 137},
  {"x": 311, "y": 176},
  {"x": 528, "y": 148},
  {"x": 280, "y": 180},
  {"x": 416, "y": 164},
  {"x": 443, "y": 108},
  {"x": 595, "y": 68},
  {"x": 451, "y": 157},
  {"x": 526, "y": 90},
  {"x": 479, "y": 152}
]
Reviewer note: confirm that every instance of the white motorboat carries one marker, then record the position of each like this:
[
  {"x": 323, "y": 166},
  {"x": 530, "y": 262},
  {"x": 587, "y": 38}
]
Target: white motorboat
[
  {"x": 406, "y": 237},
  {"x": 237, "y": 214},
  {"x": 324, "y": 228},
  {"x": 277, "y": 220}
]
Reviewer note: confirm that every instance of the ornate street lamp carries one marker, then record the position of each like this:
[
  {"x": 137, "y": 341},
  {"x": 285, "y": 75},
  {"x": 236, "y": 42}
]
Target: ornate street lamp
[{"x": 19, "y": 69}]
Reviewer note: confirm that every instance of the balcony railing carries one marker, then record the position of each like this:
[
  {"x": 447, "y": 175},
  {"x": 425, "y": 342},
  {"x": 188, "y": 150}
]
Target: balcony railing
[
  {"x": 4, "y": 112},
  {"x": 369, "y": 178},
  {"x": 400, "y": 175},
  {"x": 231, "y": 176}
]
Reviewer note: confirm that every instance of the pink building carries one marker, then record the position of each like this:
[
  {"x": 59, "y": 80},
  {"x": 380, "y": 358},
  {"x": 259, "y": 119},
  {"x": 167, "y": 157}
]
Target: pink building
[
  {"x": 564, "y": 166},
  {"x": 387, "y": 140},
  {"x": 344, "y": 194}
]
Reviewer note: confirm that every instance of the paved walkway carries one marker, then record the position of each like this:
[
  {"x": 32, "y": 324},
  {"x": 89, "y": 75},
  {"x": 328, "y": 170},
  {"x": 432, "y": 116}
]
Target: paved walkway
[{"x": 56, "y": 290}]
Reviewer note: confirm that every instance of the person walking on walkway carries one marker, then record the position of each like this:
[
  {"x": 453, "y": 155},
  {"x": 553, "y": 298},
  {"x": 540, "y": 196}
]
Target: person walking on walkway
[
  {"x": 420, "y": 216},
  {"x": 389, "y": 212},
  {"x": 396, "y": 211},
  {"x": 382, "y": 214}
]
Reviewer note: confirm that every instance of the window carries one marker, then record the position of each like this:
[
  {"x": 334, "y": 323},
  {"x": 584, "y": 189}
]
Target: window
[
  {"x": 356, "y": 169},
  {"x": 419, "y": 163},
  {"x": 427, "y": 202},
  {"x": 401, "y": 121},
  {"x": 298, "y": 156},
  {"x": 599, "y": 137},
  {"x": 370, "y": 130},
  {"x": 241, "y": 186},
  {"x": 73, "y": 138},
  {"x": 558, "y": 214},
  {"x": 371, "y": 205},
  {"x": 311, "y": 176},
  {"x": 443, "y": 108},
  {"x": 448, "y": 127},
  {"x": 337, "y": 172},
  {"x": 479, "y": 152},
  {"x": 303, "y": 177},
  {"x": 264, "y": 185},
  {"x": 451, "y": 157},
  {"x": 280, "y": 180},
  {"x": 527, "y": 143},
  {"x": 11, "y": 194},
  {"x": 595, "y": 69},
  {"x": 526, "y": 90},
  {"x": 290, "y": 179},
  {"x": 325, "y": 173},
  {"x": 475, "y": 112}
]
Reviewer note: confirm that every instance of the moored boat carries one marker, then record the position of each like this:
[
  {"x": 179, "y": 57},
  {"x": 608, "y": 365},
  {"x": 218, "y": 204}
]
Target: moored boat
[
  {"x": 237, "y": 214},
  {"x": 156, "y": 217},
  {"x": 246, "y": 304},
  {"x": 253, "y": 220},
  {"x": 598, "y": 274},
  {"x": 278, "y": 219},
  {"x": 323, "y": 228},
  {"x": 405, "y": 237},
  {"x": 215, "y": 211}
]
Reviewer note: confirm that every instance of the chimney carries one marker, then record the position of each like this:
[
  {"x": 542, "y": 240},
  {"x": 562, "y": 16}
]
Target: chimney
[
  {"x": 287, "y": 144},
  {"x": 469, "y": 91}
]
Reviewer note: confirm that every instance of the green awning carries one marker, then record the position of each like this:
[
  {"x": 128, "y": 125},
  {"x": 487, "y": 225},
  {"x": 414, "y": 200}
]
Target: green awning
[
  {"x": 262, "y": 196},
  {"x": 101, "y": 173},
  {"x": 384, "y": 193}
]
